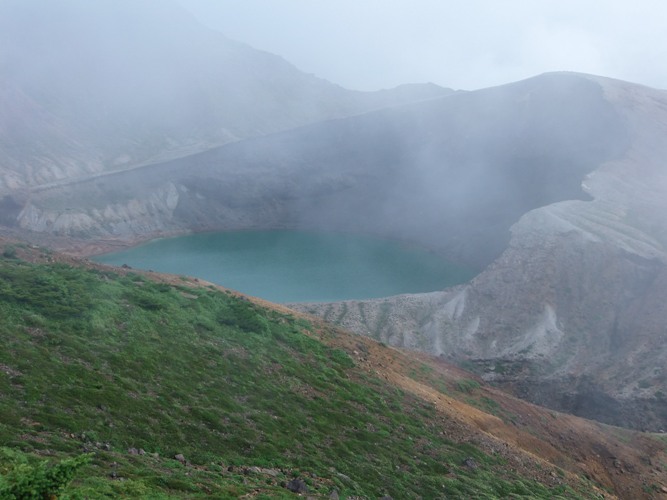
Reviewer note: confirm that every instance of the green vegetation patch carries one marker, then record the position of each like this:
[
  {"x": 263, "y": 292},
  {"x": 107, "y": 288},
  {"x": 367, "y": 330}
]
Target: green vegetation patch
[
  {"x": 23, "y": 478},
  {"x": 179, "y": 392}
]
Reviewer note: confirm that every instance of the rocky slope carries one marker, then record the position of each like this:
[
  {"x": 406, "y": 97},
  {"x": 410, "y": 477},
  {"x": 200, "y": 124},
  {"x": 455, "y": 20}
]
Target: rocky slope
[
  {"x": 91, "y": 87},
  {"x": 571, "y": 314}
]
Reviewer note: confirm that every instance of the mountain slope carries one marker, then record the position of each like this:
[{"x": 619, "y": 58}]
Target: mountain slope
[
  {"x": 452, "y": 174},
  {"x": 89, "y": 87},
  {"x": 570, "y": 315},
  {"x": 552, "y": 188},
  {"x": 113, "y": 363}
]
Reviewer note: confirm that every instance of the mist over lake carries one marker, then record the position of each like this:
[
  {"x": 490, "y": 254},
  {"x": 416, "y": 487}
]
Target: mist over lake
[{"x": 298, "y": 266}]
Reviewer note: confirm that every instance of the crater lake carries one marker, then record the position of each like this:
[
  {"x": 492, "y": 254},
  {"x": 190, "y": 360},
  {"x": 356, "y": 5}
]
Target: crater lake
[{"x": 297, "y": 266}]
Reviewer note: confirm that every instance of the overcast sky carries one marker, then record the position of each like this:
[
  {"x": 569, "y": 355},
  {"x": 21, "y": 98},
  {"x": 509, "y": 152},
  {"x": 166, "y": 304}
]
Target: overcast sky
[{"x": 373, "y": 44}]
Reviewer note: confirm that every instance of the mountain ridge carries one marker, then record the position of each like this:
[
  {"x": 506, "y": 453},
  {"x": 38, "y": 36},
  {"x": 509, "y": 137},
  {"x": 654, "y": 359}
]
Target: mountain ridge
[
  {"x": 389, "y": 143},
  {"x": 151, "y": 84}
]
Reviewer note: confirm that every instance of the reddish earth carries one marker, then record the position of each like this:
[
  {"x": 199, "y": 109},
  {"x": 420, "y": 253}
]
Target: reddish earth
[{"x": 537, "y": 442}]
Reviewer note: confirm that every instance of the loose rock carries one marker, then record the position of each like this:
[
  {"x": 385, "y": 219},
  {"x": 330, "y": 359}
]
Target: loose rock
[{"x": 297, "y": 486}]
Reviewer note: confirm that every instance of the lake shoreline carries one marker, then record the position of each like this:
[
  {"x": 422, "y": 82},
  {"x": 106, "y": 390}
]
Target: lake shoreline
[{"x": 286, "y": 265}]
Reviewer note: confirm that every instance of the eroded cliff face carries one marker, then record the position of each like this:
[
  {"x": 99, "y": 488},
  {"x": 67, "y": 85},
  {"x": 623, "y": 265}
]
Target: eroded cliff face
[
  {"x": 131, "y": 216},
  {"x": 571, "y": 315}
]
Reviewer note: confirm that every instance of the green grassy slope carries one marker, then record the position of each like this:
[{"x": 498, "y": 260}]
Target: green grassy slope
[{"x": 134, "y": 372}]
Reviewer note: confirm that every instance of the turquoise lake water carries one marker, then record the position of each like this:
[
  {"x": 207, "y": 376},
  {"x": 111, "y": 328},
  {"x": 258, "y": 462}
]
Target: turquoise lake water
[{"x": 297, "y": 266}]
